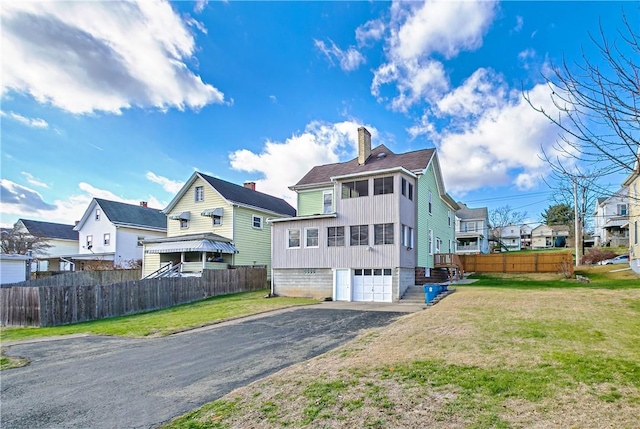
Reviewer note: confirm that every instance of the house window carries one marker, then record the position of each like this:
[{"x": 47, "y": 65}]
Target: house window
[
  {"x": 293, "y": 238},
  {"x": 430, "y": 242},
  {"x": 199, "y": 194},
  {"x": 98, "y": 213},
  {"x": 407, "y": 236},
  {"x": 107, "y": 239},
  {"x": 89, "y": 241},
  {"x": 184, "y": 223},
  {"x": 403, "y": 187},
  {"x": 140, "y": 240},
  {"x": 311, "y": 237},
  {"x": 257, "y": 221},
  {"x": 430, "y": 202},
  {"x": 335, "y": 236},
  {"x": 358, "y": 188},
  {"x": 410, "y": 191},
  {"x": 449, "y": 217},
  {"x": 327, "y": 202},
  {"x": 635, "y": 232},
  {"x": 383, "y": 185},
  {"x": 469, "y": 227},
  {"x": 438, "y": 244},
  {"x": 216, "y": 220},
  {"x": 383, "y": 233},
  {"x": 359, "y": 235},
  {"x": 622, "y": 209}
]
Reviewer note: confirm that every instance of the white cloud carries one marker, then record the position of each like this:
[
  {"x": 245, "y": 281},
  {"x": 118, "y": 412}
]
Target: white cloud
[
  {"x": 33, "y": 181},
  {"x": 21, "y": 202},
  {"x": 417, "y": 32},
  {"x": 84, "y": 57},
  {"x": 519, "y": 23},
  {"x": 200, "y": 5},
  {"x": 349, "y": 59},
  {"x": 30, "y": 122},
  {"x": 370, "y": 31},
  {"x": 273, "y": 99},
  {"x": 283, "y": 164},
  {"x": 172, "y": 186}
]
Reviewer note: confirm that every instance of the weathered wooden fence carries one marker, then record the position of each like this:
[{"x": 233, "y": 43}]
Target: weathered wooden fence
[
  {"x": 63, "y": 304},
  {"x": 83, "y": 278},
  {"x": 519, "y": 262}
]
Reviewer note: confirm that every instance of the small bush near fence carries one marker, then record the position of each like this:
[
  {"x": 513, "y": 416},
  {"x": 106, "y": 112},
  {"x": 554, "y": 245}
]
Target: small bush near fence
[
  {"x": 557, "y": 262},
  {"x": 64, "y": 304}
]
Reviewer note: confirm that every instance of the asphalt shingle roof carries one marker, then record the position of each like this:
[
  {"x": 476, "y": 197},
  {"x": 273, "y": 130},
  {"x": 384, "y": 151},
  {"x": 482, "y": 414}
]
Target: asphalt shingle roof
[
  {"x": 412, "y": 161},
  {"x": 466, "y": 213},
  {"x": 50, "y": 229},
  {"x": 239, "y": 194},
  {"x": 129, "y": 214}
]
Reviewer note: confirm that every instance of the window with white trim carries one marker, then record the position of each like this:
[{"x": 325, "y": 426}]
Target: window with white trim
[
  {"x": 327, "y": 202},
  {"x": 107, "y": 239},
  {"x": 89, "y": 241},
  {"x": 622, "y": 210},
  {"x": 383, "y": 185},
  {"x": 407, "y": 236},
  {"x": 438, "y": 244},
  {"x": 199, "y": 194},
  {"x": 430, "y": 202},
  {"x": 293, "y": 239},
  {"x": 403, "y": 186},
  {"x": 430, "y": 242},
  {"x": 359, "y": 235},
  {"x": 311, "y": 237},
  {"x": 256, "y": 221},
  {"x": 383, "y": 233},
  {"x": 216, "y": 220},
  {"x": 140, "y": 240},
  {"x": 98, "y": 214},
  {"x": 410, "y": 191},
  {"x": 449, "y": 217},
  {"x": 184, "y": 223},
  {"x": 335, "y": 236},
  {"x": 357, "y": 188}
]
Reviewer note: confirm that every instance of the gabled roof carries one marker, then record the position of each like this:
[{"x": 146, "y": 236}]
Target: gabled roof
[
  {"x": 236, "y": 194},
  {"x": 129, "y": 215},
  {"x": 413, "y": 161},
  {"x": 465, "y": 213},
  {"x": 50, "y": 230}
]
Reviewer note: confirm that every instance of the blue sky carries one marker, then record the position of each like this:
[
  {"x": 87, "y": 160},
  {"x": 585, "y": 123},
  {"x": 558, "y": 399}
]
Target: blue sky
[{"x": 125, "y": 100}]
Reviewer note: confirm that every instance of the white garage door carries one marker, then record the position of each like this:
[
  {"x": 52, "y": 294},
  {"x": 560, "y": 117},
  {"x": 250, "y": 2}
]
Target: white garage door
[{"x": 372, "y": 285}]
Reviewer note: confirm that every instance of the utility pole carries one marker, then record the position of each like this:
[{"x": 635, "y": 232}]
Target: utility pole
[{"x": 575, "y": 220}]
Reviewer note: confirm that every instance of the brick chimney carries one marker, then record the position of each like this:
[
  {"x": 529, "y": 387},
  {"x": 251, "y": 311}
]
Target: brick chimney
[
  {"x": 250, "y": 185},
  {"x": 143, "y": 204},
  {"x": 364, "y": 145}
]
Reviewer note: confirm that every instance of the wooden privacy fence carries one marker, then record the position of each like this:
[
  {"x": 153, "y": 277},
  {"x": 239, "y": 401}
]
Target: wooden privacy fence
[
  {"x": 60, "y": 305},
  {"x": 83, "y": 278},
  {"x": 518, "y": 263}
]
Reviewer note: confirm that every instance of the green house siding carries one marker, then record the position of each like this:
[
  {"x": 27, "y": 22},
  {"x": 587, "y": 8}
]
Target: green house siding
[
  {"x": 437, "y": 220},
  {"x": 253, "y": 244},
  {"x": 311, "y": 202}
]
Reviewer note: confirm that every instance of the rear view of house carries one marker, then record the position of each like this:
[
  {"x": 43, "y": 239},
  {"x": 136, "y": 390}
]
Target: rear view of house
[
  {"x": 60, "y": 239},
  {"x": 365, "y": 228},
  {"x": 472, "y": 230}
]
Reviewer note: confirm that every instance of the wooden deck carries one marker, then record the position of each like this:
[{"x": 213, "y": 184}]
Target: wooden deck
[{"x": 451, "y": 262}]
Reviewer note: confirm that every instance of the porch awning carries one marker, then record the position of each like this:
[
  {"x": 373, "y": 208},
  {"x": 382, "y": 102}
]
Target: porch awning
[
  {"x": 191, "y": 246},
  {"x": 213, "y": 212},
  {"x": 620, "y": 223},
  {"x": 183, "y": 215}
]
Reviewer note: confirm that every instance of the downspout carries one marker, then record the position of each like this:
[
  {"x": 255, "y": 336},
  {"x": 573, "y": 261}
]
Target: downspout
[{"x": 271, "y": 292}]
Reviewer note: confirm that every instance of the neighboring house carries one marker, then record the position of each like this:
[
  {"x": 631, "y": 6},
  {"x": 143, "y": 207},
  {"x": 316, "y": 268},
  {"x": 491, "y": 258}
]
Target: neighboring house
[
  {"x": 545, "y": 236},
  {"x": 511, "y": 237},
  {"x": 211, "y": 224},
  {"x": 525, "y": 236},
  {"x": 611, "y": 220},
  {"x": 366, "y": 228},
  {"x": 633, "y": 184},
  {"x": 111, "y": 234},
  {"x": 61, "y": 238},
  {"x": 472, "y": 230},
  {"x": 13, "y": 268}
]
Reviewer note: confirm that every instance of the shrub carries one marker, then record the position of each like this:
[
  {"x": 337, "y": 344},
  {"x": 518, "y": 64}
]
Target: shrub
[{"x": 597, "y": 254}]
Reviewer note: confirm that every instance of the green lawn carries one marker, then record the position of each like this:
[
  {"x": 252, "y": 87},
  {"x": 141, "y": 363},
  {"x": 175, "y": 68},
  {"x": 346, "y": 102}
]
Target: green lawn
[
  {"x": 167, "y": 321},
  {"x": 506, "y": 352}
]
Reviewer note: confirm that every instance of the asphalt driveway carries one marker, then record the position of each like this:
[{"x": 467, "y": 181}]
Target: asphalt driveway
[{"x": 105, "y": 382}]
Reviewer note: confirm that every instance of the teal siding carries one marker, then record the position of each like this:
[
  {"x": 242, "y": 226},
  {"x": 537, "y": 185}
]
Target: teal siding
[{"x": 437, "y": 220}]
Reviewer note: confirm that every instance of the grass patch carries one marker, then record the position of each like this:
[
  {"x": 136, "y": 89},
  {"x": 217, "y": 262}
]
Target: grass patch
[
  {"x": 210, "y": 416},
  {"x": 8, "y": 362},
  {"x": 166, "y": 321}
]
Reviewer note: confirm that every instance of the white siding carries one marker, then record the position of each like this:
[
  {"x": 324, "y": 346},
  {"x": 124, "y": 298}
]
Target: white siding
[
  {"x": 96, "y": 229},
  {"x": 127, "y": 249},
  {"x": 12, "y": 271}
]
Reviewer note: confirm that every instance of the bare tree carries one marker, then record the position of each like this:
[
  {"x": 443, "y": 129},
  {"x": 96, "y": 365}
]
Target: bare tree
[
  {"x": 598, "y": 106},
  {"x": 502, "y": 216},
  {"x": 16, "y": 240}
]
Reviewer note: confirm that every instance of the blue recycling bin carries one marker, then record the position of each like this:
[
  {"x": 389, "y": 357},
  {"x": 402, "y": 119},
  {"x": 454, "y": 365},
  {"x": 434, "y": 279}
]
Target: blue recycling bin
[{"x": 430, "y": 292}]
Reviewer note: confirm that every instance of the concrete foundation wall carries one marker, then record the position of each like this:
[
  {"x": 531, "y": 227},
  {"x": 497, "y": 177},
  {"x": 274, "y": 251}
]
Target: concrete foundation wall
[{"x": 303, "y": 282}]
